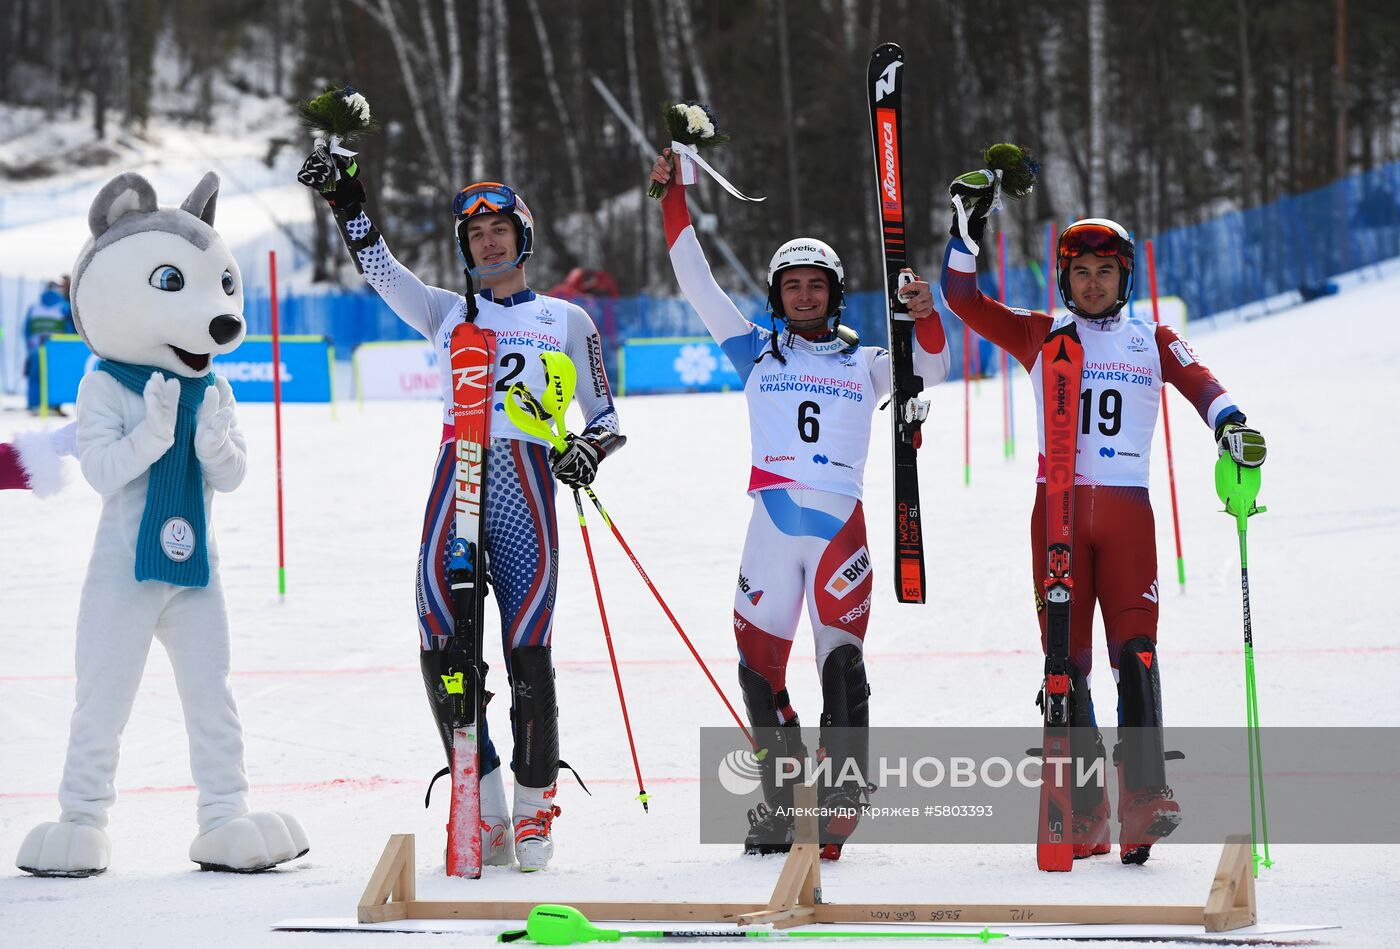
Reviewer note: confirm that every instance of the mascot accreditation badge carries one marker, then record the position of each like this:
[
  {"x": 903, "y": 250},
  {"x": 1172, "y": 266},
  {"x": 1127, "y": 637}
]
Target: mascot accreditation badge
[{"x": 177, "y": 539}]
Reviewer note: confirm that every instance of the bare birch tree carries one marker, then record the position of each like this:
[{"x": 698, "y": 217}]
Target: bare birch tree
[{"x": 569, "y": 129}]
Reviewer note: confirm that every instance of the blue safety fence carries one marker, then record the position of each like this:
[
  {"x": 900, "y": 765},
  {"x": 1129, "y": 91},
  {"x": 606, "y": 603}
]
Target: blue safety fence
[{"x": 1289, "y": 250}]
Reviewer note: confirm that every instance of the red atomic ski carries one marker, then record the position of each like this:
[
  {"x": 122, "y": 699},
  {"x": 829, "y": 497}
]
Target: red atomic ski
[{"x": 1062, "y": 362}]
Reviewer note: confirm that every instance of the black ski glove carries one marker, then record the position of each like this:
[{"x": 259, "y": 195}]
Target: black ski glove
[
  {"x": 1242, "y": 443},
  {"x": 577, "y": 465},
  {"x": 345, "y": 193},
  {"x": 977, "y": 192}
]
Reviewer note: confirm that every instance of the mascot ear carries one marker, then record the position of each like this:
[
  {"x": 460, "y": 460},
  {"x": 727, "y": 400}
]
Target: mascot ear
[
  {"x": 200, "y": 203},
  {"x": 128, "y": 193}
]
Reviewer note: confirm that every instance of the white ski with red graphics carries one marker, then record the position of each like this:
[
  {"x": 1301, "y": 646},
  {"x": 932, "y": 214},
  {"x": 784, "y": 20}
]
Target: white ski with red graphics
[
  {"x": 884, "y": 85},
  {"x": 1062, "y": 363},
  {"x": 473, "y": 358}
]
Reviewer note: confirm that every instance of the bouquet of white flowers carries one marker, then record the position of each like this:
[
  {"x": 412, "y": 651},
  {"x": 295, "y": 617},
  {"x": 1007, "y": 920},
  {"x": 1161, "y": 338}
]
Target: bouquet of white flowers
[{"x": 689, "y": 123}]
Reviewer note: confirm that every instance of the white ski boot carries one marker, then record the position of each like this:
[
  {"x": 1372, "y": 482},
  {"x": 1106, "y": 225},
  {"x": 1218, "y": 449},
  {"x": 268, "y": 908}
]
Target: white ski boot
[
  {"x": 497, "y": 843},
  {"x": 535, "y": 811}
]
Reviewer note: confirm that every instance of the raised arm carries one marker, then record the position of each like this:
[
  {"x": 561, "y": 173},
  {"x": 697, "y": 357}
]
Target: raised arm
[
  {"x": 338, "y": 181},
  {"x": 1019, "y": 332},
  {"x": 735, "y": 335}
]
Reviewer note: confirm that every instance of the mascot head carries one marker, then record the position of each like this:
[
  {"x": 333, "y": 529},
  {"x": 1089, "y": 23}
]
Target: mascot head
[{"x": 157, "y": 286}]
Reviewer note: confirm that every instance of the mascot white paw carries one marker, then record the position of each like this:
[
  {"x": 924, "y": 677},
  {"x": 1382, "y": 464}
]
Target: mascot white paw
[
  {"x": 64, "y": 849},
  {"x": 257, "y": 841}
]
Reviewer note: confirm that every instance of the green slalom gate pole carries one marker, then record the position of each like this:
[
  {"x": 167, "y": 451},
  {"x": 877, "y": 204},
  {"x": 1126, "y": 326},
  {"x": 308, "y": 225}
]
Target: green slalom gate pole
[
  {"x": 1238, "y": 487},
  {"x": 551, "y": 924}
]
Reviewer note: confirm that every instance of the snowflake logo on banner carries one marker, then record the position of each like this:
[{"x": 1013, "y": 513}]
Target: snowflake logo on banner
[{"x": 695, "y": 364}]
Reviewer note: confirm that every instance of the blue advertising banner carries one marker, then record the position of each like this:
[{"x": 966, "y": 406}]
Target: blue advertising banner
[
  {"x": 674, "y": 364},
  {"x": 306, "y": 368}
]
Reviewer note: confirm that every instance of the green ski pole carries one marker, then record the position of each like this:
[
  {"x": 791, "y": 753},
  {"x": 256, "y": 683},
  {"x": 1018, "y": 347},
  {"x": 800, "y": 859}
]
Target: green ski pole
[
  {"x": 1238, "y": 486},
  {"x": 551, "y": 924}
]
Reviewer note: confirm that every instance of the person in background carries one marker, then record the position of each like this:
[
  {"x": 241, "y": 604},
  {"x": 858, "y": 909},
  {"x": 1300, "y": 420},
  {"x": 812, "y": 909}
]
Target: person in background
[{"x": 48, "y": 316}]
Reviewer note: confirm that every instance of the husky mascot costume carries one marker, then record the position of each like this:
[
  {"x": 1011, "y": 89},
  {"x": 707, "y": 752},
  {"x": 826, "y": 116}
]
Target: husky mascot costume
[{"x": 156, "y": 294}]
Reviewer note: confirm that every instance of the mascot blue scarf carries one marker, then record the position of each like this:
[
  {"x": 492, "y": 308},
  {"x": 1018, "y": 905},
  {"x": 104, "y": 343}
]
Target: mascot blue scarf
[{"x": 171, "y": 546}]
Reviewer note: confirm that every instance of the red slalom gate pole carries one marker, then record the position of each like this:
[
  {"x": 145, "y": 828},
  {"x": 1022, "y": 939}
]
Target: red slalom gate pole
[
  {"x": 612, "y": 656},
  {"x": 1006, "y": 444},
  {"x": 277, "y": 423},
  {"x": 967, "y": 405},
  {"x": 1050, "y": 273},
  {"x": 1167, "y": 427},
  {"x": 669, "y": 615}
]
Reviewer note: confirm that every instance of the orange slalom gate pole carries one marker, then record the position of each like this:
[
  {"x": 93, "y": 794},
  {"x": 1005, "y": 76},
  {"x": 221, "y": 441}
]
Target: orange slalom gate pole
[{"x": 1167, "y": 427}]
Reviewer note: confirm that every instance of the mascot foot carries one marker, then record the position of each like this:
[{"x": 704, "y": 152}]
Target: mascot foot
[
  {"x": 64, "y": 849},
  {"x": 251, "y": 843}
]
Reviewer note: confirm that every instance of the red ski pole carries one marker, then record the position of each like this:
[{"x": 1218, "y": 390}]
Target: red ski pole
[
  {"x": 669, "y": 615},
  {"x": 612, "y": 656},
  {"x": 1167, "y": 427}
]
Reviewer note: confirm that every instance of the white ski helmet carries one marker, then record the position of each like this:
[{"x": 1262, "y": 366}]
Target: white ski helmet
[
  {"x": 807, "y": 252},
  {"x": 1102, "y": 238}
]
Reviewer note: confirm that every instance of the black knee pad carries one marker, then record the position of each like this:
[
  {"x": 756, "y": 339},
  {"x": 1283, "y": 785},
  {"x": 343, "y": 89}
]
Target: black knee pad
[
  {"x": 1139, "y": 750},
  {"x": 845, "y": 692},
  {"x": 760, "y": 701},
  {"x": 1086, "y": 746},
  {"x": 777, "y": 739},
  {"x": 436, "y": 663},
  {"x": 845, "y": 731},
  {"x": 534, "y": 717}
]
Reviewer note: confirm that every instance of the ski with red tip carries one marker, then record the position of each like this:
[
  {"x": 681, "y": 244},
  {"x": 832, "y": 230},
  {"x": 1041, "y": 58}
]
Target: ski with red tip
[
  {"x": 473, "y": 358},
  {"x": 1062, "y": 362},
  {"x": 884, "y": 85}
]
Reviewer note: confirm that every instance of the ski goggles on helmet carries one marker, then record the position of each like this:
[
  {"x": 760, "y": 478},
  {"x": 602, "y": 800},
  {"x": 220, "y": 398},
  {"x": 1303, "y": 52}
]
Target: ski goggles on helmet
[
  {"x": 484, "y": 197},
  {"x": 1100, "y": 240}
]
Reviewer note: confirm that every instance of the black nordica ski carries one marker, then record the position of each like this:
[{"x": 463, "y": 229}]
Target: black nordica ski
[
  {"x": 884, "y": 83},
  {"x": 1062, "y": 361},
  {"x": 473, "y": 358}
]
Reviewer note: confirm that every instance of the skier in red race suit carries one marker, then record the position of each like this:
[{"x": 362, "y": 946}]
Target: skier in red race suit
[{"x": 1126, "y": 364}]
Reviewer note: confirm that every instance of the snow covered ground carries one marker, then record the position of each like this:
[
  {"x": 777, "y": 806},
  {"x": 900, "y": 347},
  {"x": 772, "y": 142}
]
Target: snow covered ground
[{"x": 338, "y": 732}]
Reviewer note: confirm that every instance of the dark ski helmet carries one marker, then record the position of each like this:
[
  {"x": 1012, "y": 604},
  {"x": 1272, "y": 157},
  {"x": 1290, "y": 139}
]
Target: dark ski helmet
[
  {"x": 1102, "y": 238},
  {"x": 492, "y": 197}
]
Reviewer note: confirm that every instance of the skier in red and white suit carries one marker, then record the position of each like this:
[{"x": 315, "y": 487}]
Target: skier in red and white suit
[
  {"x": 811, "y": 391},
  {"x": 1126, "y": 364}
]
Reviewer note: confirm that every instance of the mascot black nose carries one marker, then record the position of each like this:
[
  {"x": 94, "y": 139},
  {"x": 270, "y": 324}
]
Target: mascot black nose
[{"x": 224, "y": 328}]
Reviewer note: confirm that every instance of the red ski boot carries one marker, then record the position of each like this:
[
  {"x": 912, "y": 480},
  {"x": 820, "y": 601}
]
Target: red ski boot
[
  {"x": 1145, "y": 817},
  {"x": 1091, "y": 833}
]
